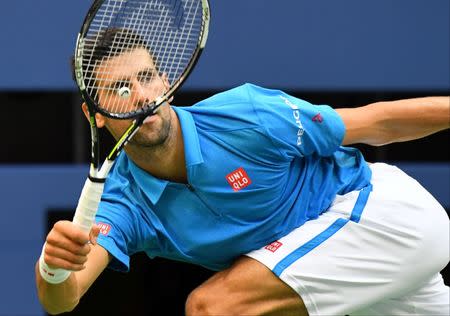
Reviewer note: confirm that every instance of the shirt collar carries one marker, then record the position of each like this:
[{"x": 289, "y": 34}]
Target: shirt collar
[
  {"x": 154, "y": 187},
  {"x": 192, "y": 151}
]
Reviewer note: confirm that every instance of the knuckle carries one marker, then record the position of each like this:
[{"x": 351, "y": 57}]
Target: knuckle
[
  {"x": 59, "y": 225},
  {"x": 80, "y": 251},
  {"x": 85, "y": 250},
  {"x": 76, "y": 250},
  {"x": 64, "y": 265},
  {"x": 49, "y": 249},
  {"x": 83, "y": 260},
  {"x": 81, "y": 237},
  {"x": 51, "y": 238},
  {"x": 76, "y": 259},
  {"x": 49, "y": 259}
]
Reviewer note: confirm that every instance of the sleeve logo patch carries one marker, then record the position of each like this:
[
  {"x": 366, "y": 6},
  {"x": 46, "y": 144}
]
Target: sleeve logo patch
[
  {"x": 238, "y": 179},
  {"x": 317, "y": 118},
  {"x": 274, "y": 246},
  {"x": 104, "y": 228}
]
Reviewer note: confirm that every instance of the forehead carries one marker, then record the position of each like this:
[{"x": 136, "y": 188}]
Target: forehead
[{"x": 124, "y": 65}]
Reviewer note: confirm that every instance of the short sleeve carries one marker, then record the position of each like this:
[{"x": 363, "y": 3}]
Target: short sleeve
[
  {"x": 297, "y": 127},
  {"x": 113, "y": 236},
  {"x": 117, "y": 219}
]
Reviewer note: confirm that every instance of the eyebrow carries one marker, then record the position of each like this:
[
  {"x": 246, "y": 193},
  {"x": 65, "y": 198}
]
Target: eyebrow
[
  {"x": 127, "y": 79},
  {"x": 146, "y": 71}
]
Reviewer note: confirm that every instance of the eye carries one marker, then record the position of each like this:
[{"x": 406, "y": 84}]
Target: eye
[
  {"x": 124, "y": 92},
  {"x": 147, "y": 77}
]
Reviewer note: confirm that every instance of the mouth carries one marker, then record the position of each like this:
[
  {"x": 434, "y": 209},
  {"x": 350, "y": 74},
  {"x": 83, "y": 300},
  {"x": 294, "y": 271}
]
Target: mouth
[{"x": 150, "y": 119}]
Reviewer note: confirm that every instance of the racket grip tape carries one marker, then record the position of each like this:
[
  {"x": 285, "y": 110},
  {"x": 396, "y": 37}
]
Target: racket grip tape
[
  {"x": 87, "y": 206},
  {"x": 84, "y": 218}
]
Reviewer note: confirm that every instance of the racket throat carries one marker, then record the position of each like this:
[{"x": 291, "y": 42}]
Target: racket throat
[
  {"x": 95, "y": 147},
  {"x": 129, "y": 133}
]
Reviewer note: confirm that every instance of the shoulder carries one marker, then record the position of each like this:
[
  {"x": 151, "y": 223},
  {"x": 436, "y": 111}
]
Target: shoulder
[
  {"x": 247, "y": 104},
  {"x": 245, "y": 94},
  {"x": 226, "y": 110},
  {"x": 229, "y": 98}
]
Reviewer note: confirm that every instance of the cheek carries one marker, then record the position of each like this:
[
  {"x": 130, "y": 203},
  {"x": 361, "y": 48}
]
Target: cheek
[
  {"x": 164, "y": 111},
  {"x": 156, "y": 89},
  {"x": 117, "y": 127}
]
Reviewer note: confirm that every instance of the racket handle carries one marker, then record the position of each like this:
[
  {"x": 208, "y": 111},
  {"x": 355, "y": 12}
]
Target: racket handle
[
  {"x": 87, "y": 206},
  {"x": 84, "y": 218}
]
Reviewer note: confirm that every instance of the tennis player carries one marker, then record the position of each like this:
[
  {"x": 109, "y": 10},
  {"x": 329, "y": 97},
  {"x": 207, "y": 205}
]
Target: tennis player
[{"x": 256, "y": 184}]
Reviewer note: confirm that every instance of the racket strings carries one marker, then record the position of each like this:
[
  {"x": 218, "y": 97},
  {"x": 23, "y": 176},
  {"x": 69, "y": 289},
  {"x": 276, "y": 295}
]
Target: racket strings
[
  {"x": 120, "y": 42},
  {"x": 180, "y": 63},
  {"x": 92, "y": 63},
  {"x": 168, "y": 30}
]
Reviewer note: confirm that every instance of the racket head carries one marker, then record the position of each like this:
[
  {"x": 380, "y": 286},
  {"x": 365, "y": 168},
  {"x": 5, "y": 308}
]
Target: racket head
[{"x": 132, "y": 55}]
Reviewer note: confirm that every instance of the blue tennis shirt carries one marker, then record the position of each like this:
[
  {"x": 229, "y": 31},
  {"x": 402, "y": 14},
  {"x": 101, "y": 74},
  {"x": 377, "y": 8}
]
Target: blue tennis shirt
[{"x": 259, "y": 164}]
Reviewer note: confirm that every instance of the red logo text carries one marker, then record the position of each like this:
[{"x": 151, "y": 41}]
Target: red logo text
[
  {"x": 104, "y": 228},
  {"x": 238, "y": 179},
  {"x": 274, "y": 246}
]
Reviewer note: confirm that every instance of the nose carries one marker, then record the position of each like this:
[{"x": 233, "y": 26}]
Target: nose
[{"x": 140, "y": 94}]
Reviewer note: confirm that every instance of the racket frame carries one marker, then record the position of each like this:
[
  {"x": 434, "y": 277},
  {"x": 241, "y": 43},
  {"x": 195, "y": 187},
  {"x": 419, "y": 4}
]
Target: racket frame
[
  {"x": 139, "y": 115},
  {"x": 150, "y": 108}
]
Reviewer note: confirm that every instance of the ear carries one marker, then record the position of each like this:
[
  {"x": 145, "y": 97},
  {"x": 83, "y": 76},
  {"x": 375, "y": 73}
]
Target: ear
[
  {"x": 99, "y": 119},
  {"x": 85, "y": 110},
  {"x": 166, "y": 83},
  {"x": 165, "y": 80}
]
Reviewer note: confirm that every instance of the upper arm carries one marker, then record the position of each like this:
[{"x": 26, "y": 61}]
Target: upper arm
[
  {"x": 98, "y": 260},
  {"x": 297, "y": 127}
]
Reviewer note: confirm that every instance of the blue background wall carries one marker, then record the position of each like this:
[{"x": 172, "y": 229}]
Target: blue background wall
[
  {"x": 298, "y": 45},
  {"x": 293, "y": 44}
]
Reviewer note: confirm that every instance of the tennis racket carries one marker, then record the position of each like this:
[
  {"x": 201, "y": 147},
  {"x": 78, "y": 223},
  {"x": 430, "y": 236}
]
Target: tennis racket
[{"x": 170, "y": 33}]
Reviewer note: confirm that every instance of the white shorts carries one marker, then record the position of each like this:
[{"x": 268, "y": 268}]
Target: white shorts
[{"x": 369, "y": 254}]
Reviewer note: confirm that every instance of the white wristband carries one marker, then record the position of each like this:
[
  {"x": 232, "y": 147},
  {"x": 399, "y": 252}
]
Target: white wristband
[{"x": 53, "y": 276}]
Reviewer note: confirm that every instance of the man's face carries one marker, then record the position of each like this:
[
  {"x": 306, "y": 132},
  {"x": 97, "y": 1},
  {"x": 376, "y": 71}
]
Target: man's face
[{"x": 127, "y": 82}]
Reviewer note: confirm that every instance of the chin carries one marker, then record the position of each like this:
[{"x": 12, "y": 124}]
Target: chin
[
  {"x": 149, "y": 139},
  {"x": 152, "y": 133}
]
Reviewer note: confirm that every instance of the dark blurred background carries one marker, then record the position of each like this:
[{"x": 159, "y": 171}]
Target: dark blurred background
[{"x": 342, "y": 53}]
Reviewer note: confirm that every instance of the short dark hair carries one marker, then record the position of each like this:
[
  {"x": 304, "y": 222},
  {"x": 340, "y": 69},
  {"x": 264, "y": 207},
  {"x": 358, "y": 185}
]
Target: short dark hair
[{"x": 108, "y": 42}]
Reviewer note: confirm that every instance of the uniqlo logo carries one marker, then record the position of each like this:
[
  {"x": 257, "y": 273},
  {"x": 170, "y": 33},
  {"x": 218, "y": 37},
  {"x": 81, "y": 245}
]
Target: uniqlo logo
[
  {"x": 104, "y": 228},
  {"x": 274, "y": 246},
  {"x": 238, "y": 179}
]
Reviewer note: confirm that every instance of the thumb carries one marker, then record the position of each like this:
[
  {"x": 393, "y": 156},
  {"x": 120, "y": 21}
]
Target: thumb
[{"x": 93, "y": 234}]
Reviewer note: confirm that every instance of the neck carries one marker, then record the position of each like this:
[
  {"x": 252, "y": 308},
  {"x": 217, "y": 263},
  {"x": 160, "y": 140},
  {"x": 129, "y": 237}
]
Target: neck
[{"x": 165, "y": 161}]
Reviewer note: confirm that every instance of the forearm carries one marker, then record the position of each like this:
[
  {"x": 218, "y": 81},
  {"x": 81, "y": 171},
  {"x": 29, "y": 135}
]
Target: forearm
[
  {"x": 395, "y": 121},
  {"x": 416, "y": 118},
  {"x": 57, "y": 298}
]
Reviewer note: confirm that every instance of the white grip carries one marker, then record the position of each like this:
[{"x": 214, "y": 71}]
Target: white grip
[
  {"x": 84, "y": 218},
  {"x": 87, "y": 206}
]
